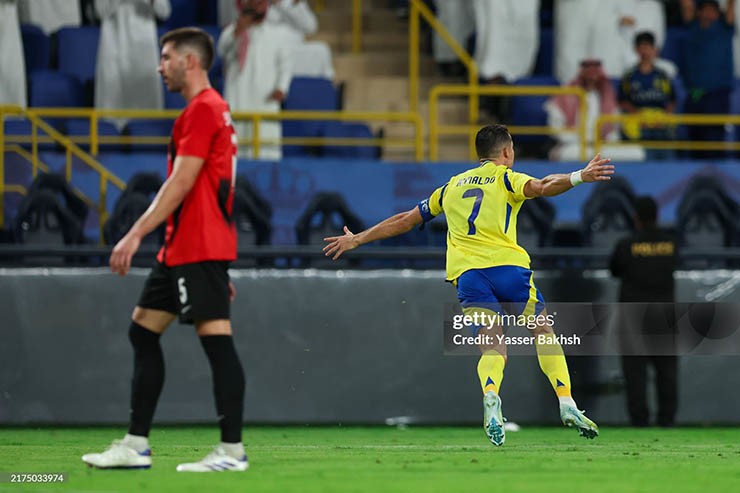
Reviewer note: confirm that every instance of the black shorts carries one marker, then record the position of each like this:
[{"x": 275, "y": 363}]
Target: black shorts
[{"x": 194, "y": 292}]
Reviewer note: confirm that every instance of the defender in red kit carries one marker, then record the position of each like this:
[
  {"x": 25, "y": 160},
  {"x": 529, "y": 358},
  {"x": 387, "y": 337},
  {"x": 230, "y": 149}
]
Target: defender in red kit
[{"x": 190, "y": 280}]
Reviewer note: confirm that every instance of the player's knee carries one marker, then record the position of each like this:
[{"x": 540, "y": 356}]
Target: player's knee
[{"x": 142, "y": 337}]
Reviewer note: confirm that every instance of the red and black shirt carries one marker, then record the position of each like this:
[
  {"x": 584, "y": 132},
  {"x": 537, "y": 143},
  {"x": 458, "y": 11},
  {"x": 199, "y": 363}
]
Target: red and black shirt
[{"x": 201, "y": 229}]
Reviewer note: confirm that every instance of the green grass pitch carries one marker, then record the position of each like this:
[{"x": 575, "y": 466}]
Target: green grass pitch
[{"x": 377, "y": 459}]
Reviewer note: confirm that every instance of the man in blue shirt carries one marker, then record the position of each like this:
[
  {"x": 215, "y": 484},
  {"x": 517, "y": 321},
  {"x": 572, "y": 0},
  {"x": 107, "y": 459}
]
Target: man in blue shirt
[
  {"x": 708, "y": 68},
  {"x": 646, "y": 88}
]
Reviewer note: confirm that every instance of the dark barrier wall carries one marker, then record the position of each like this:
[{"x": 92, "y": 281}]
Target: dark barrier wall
[{"x": 318, "y": 347}]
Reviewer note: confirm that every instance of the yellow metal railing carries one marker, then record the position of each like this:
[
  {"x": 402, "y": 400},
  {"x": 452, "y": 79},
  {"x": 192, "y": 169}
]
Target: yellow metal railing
[
  {"x": 418, "y": 10},
  {"x": 95, "y": 140},
  {"x": 356, "y": 26},
  {"x": 436, "y": 130},
  {"x": 70, "y": 149},
  {"x": 667, "y": 120}
]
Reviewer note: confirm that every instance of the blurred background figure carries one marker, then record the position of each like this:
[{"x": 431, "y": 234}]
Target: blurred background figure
[
  {"x": 648, "y": 89},
  {"x": 644, "y": 263},
  {"x": 507, "y": 40},
  {"x": 507, "y": 37},
  {"x": 708, "y": 71},
  {"x": 644, "y": 16},
  {"x": 310, "y": 58},
  {"x": 457, "y": 17},
  {"x": 587, "y": 29},
  {"x": 12, "y": 63},
  {"x": 50, "y": 15},
  {"x": 563, "y": 111},
  {"x": 128, "y": 54},
  {"x": 257, "y": 67}
]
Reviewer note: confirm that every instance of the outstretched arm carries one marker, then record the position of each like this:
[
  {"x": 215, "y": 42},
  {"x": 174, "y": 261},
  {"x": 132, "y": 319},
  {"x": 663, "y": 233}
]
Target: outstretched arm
[
  {"x": 393, "y": 226},
  {"x": 596, "y": 170}
]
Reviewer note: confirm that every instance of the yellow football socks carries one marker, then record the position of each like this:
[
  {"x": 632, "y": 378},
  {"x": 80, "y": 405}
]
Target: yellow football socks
[
  {"x": 553, "y": 365},
  {"x": 491, "y": 371}
]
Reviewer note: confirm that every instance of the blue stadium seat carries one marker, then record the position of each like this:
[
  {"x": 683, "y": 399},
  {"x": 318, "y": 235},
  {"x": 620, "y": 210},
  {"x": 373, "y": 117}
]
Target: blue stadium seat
[
  {"x": 308, "y": 94},
  {"x": 529, "y": 110},
  {"x": 208, "y": 12},
  {"x": 184, "y": 13},
  {"x": 78, "y": 51},
  {"x": 81, "y": 127},
  {"x": 49, "y": 88},
  {"x": 312, "y": 93},
  {"x": 543, "y": 66},
  {"x": 36, "y": 48},
  {"x": 153, "y": 128},
  {"x": 349, "y": 130}
]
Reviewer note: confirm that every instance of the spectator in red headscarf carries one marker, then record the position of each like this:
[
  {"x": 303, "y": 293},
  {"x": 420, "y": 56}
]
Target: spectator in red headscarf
[{"x": 564, "y": 112}]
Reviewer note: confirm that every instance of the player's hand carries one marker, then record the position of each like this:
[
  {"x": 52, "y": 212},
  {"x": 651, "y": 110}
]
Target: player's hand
[
  {"x": 597, "y": 169},
  {"x": 337, "y": 245},
  {"x": 120, "y": 259},
  {"x": 232, "y": 291}
]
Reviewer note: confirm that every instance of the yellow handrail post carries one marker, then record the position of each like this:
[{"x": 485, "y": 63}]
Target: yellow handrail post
[
  {"x": 34, "y": 149},
  {"x": 433, "y": 124},
  {"x": 256, "y": 121},
  {"x": 68, "y": 165},
  {"x": 419, "y": 137},
  {"x": 2, "y": 168},
  {"x": 582, "y": 127},
  {"x": 356, "y": 26},
  {"x": 414, "y": 29},
  {"x": 94, "y": 133},
  {"x": 102, "y": 210}
]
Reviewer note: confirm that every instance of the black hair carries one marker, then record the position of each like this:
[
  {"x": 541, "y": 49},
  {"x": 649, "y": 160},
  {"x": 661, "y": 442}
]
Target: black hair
[
  {"x": 491, "y": 140},
  {"x": 194, "y": 37},
  {"x": 646, "y": 210},
  {"x": 645, "y": 37}
]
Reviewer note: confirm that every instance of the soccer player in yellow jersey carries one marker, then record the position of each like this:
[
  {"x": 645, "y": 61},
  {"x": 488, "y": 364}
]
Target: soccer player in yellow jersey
[{"x": 487, "y": 265}]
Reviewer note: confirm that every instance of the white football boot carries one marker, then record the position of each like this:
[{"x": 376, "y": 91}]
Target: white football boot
[
  {"x": 572, "y": 417},
  {"x": 493, "y": 420},
  {"x": 216, "y": 461},
  {"x": 119, "y": 456}
]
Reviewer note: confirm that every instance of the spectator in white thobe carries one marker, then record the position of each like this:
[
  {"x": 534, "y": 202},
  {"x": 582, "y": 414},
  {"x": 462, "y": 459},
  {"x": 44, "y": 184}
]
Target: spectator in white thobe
[
  {"x": 50, "y": 15},
  {"x": 12, "y": 63},
  {"x": 457, "y": 17},
  {"x": 507, "y": 38},
  {"x": 257, "y": 69},
  {"x": 128, "y": 55},
  {"x": 310, "y": 58},
  {"x": 588, "y": 29}
]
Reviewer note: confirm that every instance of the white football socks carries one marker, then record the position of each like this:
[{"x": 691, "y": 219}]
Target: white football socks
[
  {"x": 138, "y": 443},
  {"x": 235, "y": 450},
  {"x": 568, "y": 401}
]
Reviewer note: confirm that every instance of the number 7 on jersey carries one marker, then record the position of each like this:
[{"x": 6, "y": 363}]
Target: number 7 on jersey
[{"x": 478, "y": 194}]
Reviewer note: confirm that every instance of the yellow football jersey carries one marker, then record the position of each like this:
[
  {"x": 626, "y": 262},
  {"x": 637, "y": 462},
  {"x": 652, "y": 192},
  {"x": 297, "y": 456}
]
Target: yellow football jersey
[{"x": 481, "y": 206}]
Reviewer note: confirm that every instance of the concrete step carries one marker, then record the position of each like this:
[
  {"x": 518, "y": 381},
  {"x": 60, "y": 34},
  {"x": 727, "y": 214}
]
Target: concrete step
[
  {"x": 341, "y": 42},
  {"x": 350, "y": 66},
  {"x": 384, "y": 92},
  {"x": 372, "y": 21},
  {"x": 347, "y": 4}
]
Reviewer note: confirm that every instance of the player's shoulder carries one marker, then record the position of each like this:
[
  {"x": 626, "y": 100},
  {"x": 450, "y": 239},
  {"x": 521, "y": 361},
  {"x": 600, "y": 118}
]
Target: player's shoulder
[{"x": 207, "y": 104}]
